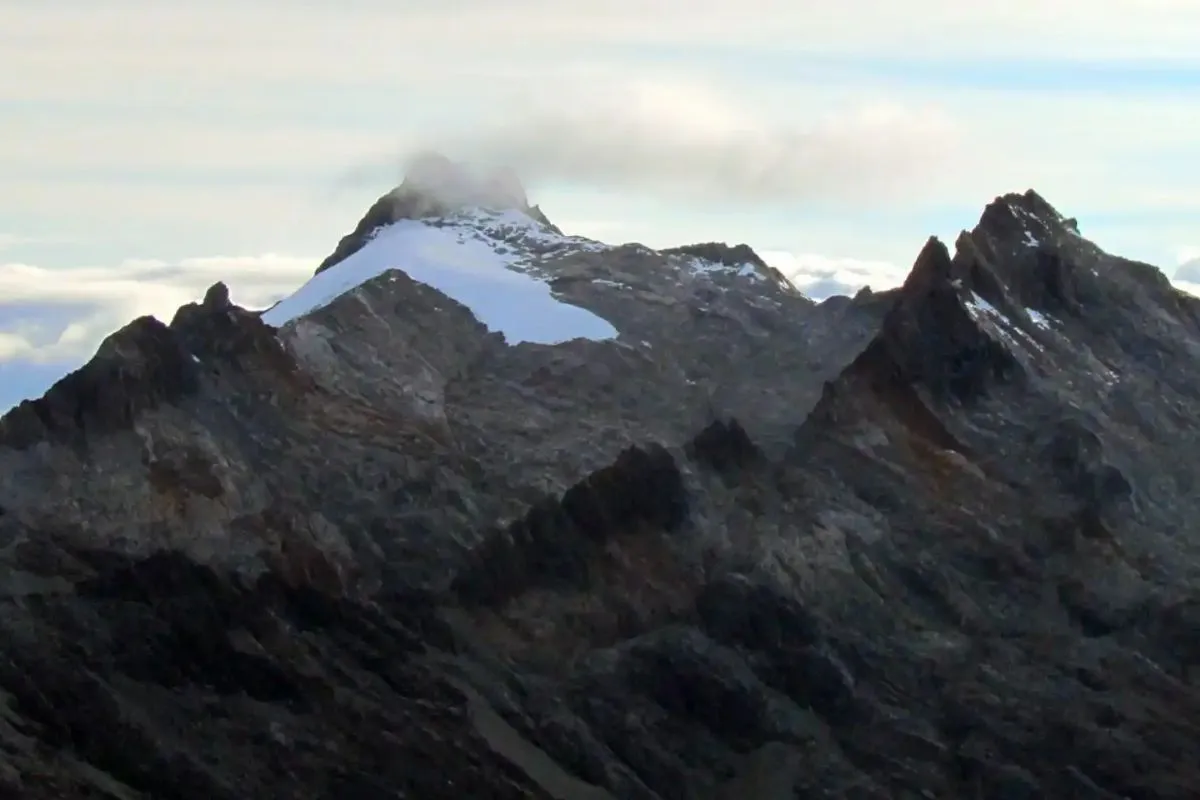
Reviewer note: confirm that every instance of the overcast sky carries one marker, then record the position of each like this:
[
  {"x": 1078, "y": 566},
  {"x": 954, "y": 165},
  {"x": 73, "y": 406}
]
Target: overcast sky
[{"x": 150, "y": 148}]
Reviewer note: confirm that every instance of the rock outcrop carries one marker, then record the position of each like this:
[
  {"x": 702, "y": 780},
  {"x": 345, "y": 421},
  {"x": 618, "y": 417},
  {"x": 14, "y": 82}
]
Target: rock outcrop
[{"x": 934, "y": 541}]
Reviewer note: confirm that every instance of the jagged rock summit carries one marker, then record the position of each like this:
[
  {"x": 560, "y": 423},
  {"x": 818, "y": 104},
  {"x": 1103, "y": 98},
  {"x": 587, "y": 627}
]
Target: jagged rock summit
[{"x": 378, "y": 541}]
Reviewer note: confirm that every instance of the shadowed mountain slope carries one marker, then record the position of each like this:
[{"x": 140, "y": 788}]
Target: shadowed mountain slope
[{"x": 686, "y": 534}]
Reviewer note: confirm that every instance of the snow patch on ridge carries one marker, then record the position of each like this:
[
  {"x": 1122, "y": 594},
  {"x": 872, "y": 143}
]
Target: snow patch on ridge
[
  {"x": 993, "y": 321},
  {"x": 700, "y": 266},
  {"x": 1039, "y": 319}
]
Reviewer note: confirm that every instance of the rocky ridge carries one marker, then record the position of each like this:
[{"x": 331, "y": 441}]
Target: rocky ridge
[{"x": 930, "y": 542}]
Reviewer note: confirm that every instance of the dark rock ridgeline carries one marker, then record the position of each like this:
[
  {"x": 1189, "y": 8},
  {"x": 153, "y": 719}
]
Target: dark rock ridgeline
[
  {"x": 929, "y": 338},
  {"x": 556, "y": 540},
  {"x": 1045, "y": 264},
  {"x": 641, "y": 491},
  {"x": 1021, "y": 257},
  {"x": 148, "y": 364},
  {"x": 217, "y": 329},
  {"x": 1026, "y": 245},
  {"x": 136, "y": 369},
  {"x": 728, "y": 255},
  {"x": 1007, "y": 216},
  {"x": 720, "y": 253}
]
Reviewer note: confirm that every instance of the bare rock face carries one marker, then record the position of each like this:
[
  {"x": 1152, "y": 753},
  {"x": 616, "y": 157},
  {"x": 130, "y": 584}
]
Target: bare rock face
[{"x": 935, "y": 541}]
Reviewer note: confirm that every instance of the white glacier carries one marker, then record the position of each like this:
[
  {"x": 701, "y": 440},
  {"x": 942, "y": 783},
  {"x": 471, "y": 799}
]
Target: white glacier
[{"x": 452, "y": 257}]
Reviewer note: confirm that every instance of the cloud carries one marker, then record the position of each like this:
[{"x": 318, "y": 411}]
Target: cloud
[
  {"x": 253, "y": 109},
  {"x": 688, "y": 141},
  {"x": 1189, "y": 269},
  {"x": 94, "y": 45},
  {"x": 1187, "y": 273},
  {"x": 666, "y": 135},
  {"x": 61, "y": 315},
  {"x": 9, "y": 241},
  {"x": 228, "y": 145},
  {"x": 821, "y": 276}
]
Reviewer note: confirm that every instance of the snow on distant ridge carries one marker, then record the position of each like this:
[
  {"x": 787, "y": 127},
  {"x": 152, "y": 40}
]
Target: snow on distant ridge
[
  {"x": 462, "y": 257},
  {"x": 701, "y": 266}
]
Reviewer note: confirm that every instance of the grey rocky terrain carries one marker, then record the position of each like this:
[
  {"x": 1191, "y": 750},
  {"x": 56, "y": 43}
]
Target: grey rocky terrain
[{"x": 932, "y": 542}]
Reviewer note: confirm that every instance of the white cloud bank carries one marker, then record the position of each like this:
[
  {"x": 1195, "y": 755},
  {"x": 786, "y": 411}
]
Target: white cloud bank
[
  {"x": 52, "y": 315},
  {"x": 1189, "y": 260},
  {"x": 821, "y": 276},
  {"x": 1187, "y": 274}
]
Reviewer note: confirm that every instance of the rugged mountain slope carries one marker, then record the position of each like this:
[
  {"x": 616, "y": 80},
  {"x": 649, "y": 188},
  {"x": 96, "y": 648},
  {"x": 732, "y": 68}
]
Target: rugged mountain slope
[{"x": 933, "y": 542}]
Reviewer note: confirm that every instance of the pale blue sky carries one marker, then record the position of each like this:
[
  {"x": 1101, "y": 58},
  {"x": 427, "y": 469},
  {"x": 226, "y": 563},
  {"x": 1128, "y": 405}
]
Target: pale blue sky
[{"x": 152, "y": 148}]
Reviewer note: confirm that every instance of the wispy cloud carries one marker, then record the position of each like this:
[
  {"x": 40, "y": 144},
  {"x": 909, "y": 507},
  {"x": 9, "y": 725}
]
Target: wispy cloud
[
  {"x": 690, "y": 142},
  {"x": 671, "y": 137},
  {"x": 9, "y": 241},
  {"x": 230, "y": 145}
]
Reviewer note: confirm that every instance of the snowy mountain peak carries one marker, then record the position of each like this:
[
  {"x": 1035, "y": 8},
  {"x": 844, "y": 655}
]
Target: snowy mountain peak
[
  {"x": 446, "y": 184},
  {"x": 436, "y": 187},
  {"x": 483, "y": 259},
  {"x": 522, "y": 277}
]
